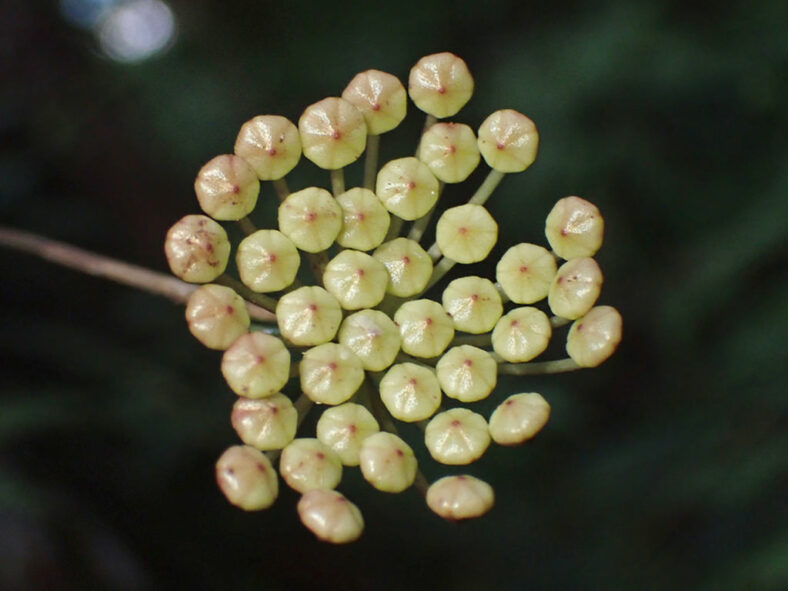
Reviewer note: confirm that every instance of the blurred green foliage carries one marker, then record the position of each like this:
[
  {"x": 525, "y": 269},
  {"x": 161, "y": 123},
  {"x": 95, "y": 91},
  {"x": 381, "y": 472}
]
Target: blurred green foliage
[{"x": 666, "y": 468}]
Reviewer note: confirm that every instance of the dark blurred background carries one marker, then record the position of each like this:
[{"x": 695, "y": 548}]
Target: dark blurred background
[{"x": 666, "y": 468}]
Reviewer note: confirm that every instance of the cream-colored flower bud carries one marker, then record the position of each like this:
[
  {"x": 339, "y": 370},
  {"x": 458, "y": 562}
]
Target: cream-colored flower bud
[
  {"x": 508, "y": 141},
  {"x": 460, "y": 497},
  {"x": 227, "y": 187},
  {"x": 256, "y": 365},
  {"x": 373, "y": 337},
  {"x": 575, "y": 288},
  {"x": 216, "y": 316},
  {"x": 343, "y": 428},
  {"x": 197, "y": 249},
  {"x": 271, "y": 144},
  {"x": 380, "y": 97},
  {"x": 311, "y": 218},
  {"x": 525, "y": 273},
  {"x": 425, "y": 328},
  {"x": 308, "y": 316},
  {"x": 387, "y": 462},
  {"x": 473, "y": 304},
  {"x": 330, "y": 516},
  {"x": 307, "y": 464},
  {"x": 467, "y": 373},
  {"x": 466, "y": 233},
  {"x": 365, "y": 220},
  {"x": 330, "y": 373},
  {"x": 457, "y": 436},
  {"x": 333, "y": 133},
  {"x": 440, "y": 84},
  {"x": 407, "y": 188},
  {"x": 594, "y": 337},
  {"x": 408, "y": 264},
  {"x": 450, "y": 151},
  {"x": 267, "y": 261},
  {"x": 247, "y": 478},
  {"x": 519, "y": 418},
  {"x": 522, "y": 334},
  {"x": 267, "y": 423},
  {"x": 356, "y": 280},
  {"x": 410, "y": 392},
  {"x": 574, "y": 228}
]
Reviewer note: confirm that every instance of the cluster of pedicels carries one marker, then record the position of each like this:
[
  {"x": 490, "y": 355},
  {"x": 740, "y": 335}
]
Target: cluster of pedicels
[{"x": 367, "y": 348}]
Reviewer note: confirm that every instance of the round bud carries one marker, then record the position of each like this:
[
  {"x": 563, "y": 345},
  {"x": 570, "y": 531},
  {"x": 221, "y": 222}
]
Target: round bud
[
  {"x": 343, "y": 428},
  {"x": 425, "y": 328},
  {"x": 268, "y": 423},
  {"x": 330, "y": 516},
  {"x": 450, "y": 151},
  {"x": 197, "y": 249},
  {"x": 457, "y": 436},
  {"x": 574, "y": 228},
  {"x": 270, "y": 144},
  {"x": 440, "y": 84},
  {"x": 356, "y": 280},
  {"x": 333, "y": 133},
  {"x": 256, "y": 365},
  {"x": 467, "y": 373},
  {"x": 519, "y": 418},
  {"x": 311, "y": 218},
  {"x": 308, "y": 316},
  {"x": 306, "y": 464},
  {"x": 575, "y": 288},
  {"x": 473, "y": 304},
  {"x": 522, "y": 334},
  {"x": 466, "y": 233},
  {"x": 267, "y": 261},
  {"x": 594, "y": 337},
  {"x": 525, "y": 272},
  {"x": 410, "y": 392},
  {"x": 227, "y": 188},
  {"x": 216, "y": 316},
  {"x": 408, "y": 264},
  {"x": 387, "y": 462},
  {"x": 508, "y": 141},
  {"x": 407, "y": 188},
  {"x": 247, "y": 478},
  {"x": 460, "y": 497},
  {"x": 330, "y": 373},
  {"x": 365, "y": 220},
  {"x": 380, "y": 97},
  {"x": 373, "y": 337}
]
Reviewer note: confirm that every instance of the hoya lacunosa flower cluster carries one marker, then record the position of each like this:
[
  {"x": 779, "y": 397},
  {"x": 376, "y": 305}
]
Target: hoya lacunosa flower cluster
[{"x": 373, "y": 342}]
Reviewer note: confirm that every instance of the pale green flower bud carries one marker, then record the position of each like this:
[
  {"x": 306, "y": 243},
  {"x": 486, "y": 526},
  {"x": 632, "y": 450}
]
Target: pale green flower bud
[
  {"x": 467, "y": 373},
  {"x": 460, "y": 497},
  {"x": 311, "y": 218},
  {"x": 574, "y": 228},
  {"x": 216, "y": 316},
  {"x": 267, "y": 423},
  {"x": 256, "y": 365},
  {"x": 227, "y": 188},
  {"x": 387, "y": 462},
  {"x": 440, "y": 84},
  {"x": 380, "y": 97},
  {"x": 271, "y": 145},
  {"x": 525, "y": 273},
  {"x": 522, "y": 334},
  {"x": 594, "y": 337},
  {"x": 308, "y": 316},
  {"x": 466, "y": 233},
  {"x": 330, "y": 516},
  {"x": 373, "y": 337},
  {"x": 330, "y": 373},
  {"x": 365, "y": 220},
  {"x": 575, "y": 288},
  {"x": 267, "y": 261},
  {"x": 508, "y": 141},
  {"x": 408, "y": 264},
  {"x": 410, "y": 392},
  {"x": 473, "y": 304},
  {"x": 197, "y": 249},
  {"x": 333, "y": 133},
  {"x": 450, "y": 151},
  {"x": 247, "y": 478},
  {"x": 425, "y": 328},
  {"x": 307, "y": 464},
  {"x": 457, "y": 436},
  {"x": 519, "y": 418},
  {"x": 356, "y": 280},
  {"x": 344, "y": 428},
  {"x": 407, "y": 188}
]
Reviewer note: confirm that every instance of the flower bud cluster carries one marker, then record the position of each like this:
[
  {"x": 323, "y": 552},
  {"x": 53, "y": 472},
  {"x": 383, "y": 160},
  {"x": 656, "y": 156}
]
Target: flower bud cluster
[{"x": 365, "y": 345}]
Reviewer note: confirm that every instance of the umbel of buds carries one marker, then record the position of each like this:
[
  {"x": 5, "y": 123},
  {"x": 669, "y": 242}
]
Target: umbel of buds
[{"x": 382, "y": 337}]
